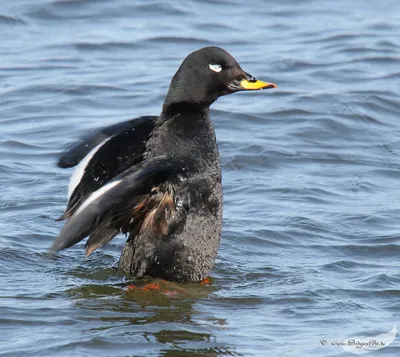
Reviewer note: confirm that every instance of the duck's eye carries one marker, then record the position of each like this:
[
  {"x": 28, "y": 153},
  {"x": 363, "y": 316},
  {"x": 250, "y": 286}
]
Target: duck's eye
[{"x": 215, "y": 67}]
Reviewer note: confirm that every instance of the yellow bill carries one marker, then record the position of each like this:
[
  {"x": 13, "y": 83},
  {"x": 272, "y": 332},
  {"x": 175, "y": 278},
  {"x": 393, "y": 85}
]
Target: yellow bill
[{"x": 256, "y": 84}]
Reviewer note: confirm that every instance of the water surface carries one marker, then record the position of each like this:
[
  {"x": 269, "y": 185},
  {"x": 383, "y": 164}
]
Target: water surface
[{"x": 310, "y": 245}]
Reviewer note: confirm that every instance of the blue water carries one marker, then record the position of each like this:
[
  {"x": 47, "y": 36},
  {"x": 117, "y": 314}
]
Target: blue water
[{"x": 310, "y": 245}]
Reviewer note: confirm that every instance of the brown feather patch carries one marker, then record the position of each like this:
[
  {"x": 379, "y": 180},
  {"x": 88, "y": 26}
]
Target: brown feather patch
[
  {"x": 64, "y": 216},
  {"x": 90, "y": 249},
  {"x": 148, "y": 221},
  {"x": 98, "y": 238},
  {"x": 139, "y": 207},
  {"x": 163, "y": 215},
  {"x": 155, "y": 213}
]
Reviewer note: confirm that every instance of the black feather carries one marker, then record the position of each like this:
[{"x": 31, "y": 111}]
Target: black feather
[
  {"x": 108, "y": 213},
  {"x": 78, "y": 151}
]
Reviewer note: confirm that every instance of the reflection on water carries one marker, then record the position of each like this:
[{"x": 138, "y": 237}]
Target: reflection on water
[{"x": 168, "y": 314}]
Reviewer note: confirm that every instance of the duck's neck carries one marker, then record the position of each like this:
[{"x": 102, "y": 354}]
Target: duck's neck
[
  {"x": 191, "y": 110},
  {"x": 183, "y": 130},
  {"x": 186, "y": 120}
]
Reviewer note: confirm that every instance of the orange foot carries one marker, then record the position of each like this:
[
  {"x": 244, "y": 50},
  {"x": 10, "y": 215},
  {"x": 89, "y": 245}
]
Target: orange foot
[
  {"x": 159, "y": 286},
  {"x": 206, "y": 281}
]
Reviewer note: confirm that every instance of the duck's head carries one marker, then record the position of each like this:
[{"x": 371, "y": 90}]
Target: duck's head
[{"x": 207, "y": 74}]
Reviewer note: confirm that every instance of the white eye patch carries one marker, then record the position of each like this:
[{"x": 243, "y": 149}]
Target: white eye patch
[{"x": 215, "y": 67}]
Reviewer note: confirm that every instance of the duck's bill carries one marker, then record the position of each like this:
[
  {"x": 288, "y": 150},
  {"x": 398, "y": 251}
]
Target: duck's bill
[
  {"x": 256, "y": 85},
  {"x": 250, "y": 83}
]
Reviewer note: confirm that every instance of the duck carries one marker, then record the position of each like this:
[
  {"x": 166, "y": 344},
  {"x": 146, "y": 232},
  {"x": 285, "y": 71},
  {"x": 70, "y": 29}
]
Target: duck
[{"x": 157, "y": 179}]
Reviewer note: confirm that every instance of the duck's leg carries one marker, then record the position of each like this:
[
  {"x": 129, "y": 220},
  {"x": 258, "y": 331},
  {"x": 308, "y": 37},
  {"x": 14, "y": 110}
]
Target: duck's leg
[{"x": 126, "y": 260}]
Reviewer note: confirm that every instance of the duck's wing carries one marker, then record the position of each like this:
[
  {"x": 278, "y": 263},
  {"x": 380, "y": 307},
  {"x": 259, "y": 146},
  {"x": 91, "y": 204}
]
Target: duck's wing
[
  {"x": 79, "y": 150},
  {"x": 144, "y": 199},
  {"x": 122, "y": 147}
]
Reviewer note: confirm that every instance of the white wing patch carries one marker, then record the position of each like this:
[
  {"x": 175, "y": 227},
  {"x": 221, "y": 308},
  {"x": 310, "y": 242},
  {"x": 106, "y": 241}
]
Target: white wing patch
[
  {"x": 97, "y": 194},
  {"x": 77, "y": 175}
]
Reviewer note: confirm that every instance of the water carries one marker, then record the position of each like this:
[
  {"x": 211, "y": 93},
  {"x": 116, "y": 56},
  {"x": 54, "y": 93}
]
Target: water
[{"x": 310, "y": 244}]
